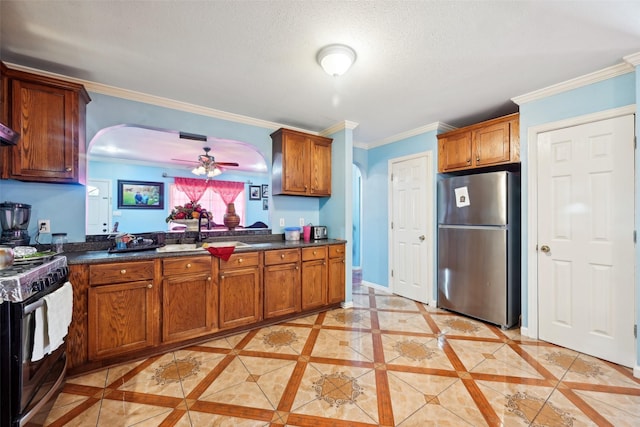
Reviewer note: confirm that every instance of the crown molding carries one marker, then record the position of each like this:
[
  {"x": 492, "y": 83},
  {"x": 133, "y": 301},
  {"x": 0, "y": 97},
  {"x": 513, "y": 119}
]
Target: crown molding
[
  {"x": 633, "y": 59},
  {"x": 343, "y": 125},
  {"x": 587, "y": 79},
  {"x": 160, "y": 101},
  {"x": 438, "y": 127}
]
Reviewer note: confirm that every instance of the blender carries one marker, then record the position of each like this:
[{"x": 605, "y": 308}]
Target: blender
[{"x": 14, "y": 218}]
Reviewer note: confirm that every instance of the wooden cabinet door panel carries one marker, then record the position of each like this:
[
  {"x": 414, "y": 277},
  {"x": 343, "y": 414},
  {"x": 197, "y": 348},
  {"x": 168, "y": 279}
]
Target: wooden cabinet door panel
[
  {"x": 121, "y": 318},
  {"x": 295, "y": 159},
  {"x": 281, "y": 290},
  {"x": 240, "y": 297},
  {"x": 314, "y": 284},
  {"x": 320, "y": 169},
  {"x": 492, "y": 144},
  {"x": 455, "y": 152},
  {"x": 188, "y": 309},
  {"x": 336, "y": 280}
]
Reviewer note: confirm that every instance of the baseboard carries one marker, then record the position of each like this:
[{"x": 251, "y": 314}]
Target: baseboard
[
  {"x": 636, "y": 371},
  {"x": 347, "y": 304},
  {"x": 524, "y": 331},
  {"x": 376, "y": 286}
]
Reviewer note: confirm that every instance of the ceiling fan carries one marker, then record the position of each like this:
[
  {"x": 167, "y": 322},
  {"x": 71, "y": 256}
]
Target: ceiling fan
[{"x": 207, "y": 164}]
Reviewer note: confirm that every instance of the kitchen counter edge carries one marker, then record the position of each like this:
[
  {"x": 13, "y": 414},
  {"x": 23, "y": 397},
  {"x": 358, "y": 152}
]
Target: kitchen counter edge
[{"x": 103, "y": 256}]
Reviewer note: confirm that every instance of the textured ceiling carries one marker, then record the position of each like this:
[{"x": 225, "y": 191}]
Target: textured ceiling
[{"x": 418, "y": 62}]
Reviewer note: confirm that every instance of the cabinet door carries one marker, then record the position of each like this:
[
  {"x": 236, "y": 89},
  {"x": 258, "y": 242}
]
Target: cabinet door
[
  {"x": 455, "y": 152},
  {"x": 314, "y": 284},
  {"x": 295, "y": 164},
  {"x": 240, "y": 297},
  {"x": 47, "y": 119},
  {"x": 492, "y": 144},
  {"x": 188, "y": 307},
  {"x": 320, "y": 168},
  {"x": 281, "y": 290},
  {"x": 336, "y": 280},
  {"x": 121, "y": 318}
]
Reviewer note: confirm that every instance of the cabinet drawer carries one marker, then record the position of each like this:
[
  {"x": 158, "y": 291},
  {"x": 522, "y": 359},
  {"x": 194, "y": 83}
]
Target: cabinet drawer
[
  {"x": 192, "y": 265},
  {"x": 246, "y": 259},
  {"x": 309, "y": 254},
  {"x": 336, "y": 251},
  {"x": 120, "y": 272},
  {"x": 282, "y": 256}
]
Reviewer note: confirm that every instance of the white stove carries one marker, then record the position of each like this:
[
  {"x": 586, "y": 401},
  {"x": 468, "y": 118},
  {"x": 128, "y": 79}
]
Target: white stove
[{"x": 26, "y": 278}]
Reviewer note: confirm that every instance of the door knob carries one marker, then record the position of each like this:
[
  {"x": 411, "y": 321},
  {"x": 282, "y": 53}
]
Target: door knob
[
  {"x": 545, "y": 249},
  {"x": 422, "y": 238}
]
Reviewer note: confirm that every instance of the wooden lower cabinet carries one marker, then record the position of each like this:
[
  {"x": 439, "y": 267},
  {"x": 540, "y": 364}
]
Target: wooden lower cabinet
[
  {"x": 122, "y": 318},
  {"x": 138, "y": 308},
  {"x": 336, "y": 291},
  {"x": 240, "y": 291},
  {"x": 122, "y": 308},
  {"x": 189, "y": 298},
  {"x": 314, "y": 277},
  {"x": 281, "y": 282}
]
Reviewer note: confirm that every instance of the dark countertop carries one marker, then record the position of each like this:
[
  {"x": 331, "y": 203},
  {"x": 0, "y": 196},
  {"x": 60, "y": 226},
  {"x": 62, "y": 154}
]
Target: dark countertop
[{"x": 103, "y": 256}]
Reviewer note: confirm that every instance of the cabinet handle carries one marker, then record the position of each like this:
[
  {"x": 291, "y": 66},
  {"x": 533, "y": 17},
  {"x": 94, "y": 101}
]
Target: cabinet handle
[
  {"x": 209, "y": 279},
  {"x": 297, "y": 268},
  {"x": 68, "y": 169},
  {"x": 240, "y": 260},
  {"x": 222, "y": 276},
  {"x": 188, "y": 265},
  {"x": 343, "y": 261},
  {"x": 477, "y": 157},
  {"x": 314, "y": 252},
  {"x": 123, "y": 271},
  {"x": 149, "y": 286},
  {"x": 468, "y": 161},
  {"x": 282, "y": 256}
]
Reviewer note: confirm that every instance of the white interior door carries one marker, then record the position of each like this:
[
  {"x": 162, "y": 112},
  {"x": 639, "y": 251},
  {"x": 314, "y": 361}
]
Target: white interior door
[
  {"x": 411, "y": 223},
  {"x": 585, "y": 238},
  {"x": 98, "y": 206}
]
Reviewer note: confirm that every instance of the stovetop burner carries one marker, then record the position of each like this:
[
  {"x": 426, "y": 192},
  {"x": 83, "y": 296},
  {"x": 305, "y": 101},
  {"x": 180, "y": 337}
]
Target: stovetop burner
[{"x": 20, "y": 281}]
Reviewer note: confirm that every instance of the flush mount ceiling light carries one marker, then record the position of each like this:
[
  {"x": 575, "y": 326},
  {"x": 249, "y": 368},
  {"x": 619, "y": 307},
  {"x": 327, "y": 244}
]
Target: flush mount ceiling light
[{"x": 336, "y": 59}]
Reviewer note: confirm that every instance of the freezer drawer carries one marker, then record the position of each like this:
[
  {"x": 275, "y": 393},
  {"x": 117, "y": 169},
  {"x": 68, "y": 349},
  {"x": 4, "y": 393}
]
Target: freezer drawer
[{"x": 473, "y": 276}]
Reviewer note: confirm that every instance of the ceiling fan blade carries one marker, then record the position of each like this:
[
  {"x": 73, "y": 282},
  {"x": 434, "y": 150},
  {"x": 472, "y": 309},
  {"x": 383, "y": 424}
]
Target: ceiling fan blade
[
  {"x": 226, "y": 164},
  {"x": 185, "y": 161}
]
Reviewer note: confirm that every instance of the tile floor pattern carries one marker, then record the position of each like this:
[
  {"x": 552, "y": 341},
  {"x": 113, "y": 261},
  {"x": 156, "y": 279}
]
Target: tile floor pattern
[{"x": 388, "y": 361}]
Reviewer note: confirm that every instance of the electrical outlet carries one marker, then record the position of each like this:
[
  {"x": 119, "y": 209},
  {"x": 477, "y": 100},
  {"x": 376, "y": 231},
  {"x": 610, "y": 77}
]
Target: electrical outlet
[
  {"x": 281, "y": 222},
  {"x": 301, "y": 221},
  {"x": 44, "y": 226}
]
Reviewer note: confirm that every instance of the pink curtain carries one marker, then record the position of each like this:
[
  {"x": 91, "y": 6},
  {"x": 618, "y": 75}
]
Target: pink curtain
[
  {"x": 194, "y": 188},
  {"x": 228, "y": 190}
]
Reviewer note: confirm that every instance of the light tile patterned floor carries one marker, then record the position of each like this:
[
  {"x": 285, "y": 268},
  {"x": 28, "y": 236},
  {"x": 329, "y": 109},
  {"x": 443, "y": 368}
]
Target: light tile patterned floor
[{"x": 386, "y": 362}]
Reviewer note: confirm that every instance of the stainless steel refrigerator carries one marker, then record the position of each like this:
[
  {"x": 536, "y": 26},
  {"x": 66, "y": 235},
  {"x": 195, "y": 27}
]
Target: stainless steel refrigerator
[{"x": 479, "y": 246}]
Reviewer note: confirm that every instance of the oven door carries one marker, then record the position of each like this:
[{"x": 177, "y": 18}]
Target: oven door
[{"x": 35, "y": 384}]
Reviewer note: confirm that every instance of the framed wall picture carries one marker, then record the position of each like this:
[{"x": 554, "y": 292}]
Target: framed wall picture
[
  {"x": 265, "y": 204},
  {"x": 254, "y": 192},
  {"x": 140, "y": 195},
  {"x": 265, "y": 191}
]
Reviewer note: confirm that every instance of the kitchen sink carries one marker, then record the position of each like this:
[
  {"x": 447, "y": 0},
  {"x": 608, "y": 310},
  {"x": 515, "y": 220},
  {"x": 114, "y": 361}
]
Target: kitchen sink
[
  {"x": 227, "y": 244},
  {"x": 185, "y": 247}
]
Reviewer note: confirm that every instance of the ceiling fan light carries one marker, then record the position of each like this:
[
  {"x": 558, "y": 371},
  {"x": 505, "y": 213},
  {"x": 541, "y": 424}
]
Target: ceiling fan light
[
  {"x": 336, "y": 59},
  {"x": 214, "y": 172}
]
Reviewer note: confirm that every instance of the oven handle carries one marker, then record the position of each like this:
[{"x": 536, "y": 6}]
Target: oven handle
[{"x": 34, "y": 306}]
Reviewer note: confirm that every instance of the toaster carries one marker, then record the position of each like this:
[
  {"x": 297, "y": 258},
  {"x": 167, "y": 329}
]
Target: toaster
[{"x": 318, "y": 232}]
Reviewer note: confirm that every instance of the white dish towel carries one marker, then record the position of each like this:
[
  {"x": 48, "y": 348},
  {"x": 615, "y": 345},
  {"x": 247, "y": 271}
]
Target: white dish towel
[
  {"x": 59, "y": 309},
  {"x": 52, "y": 321}
]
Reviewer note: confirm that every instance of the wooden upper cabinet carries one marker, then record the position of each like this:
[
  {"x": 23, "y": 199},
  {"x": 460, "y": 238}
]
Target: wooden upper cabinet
[
  {"x": 301, "y": 164},
  {"x": 489, "y": 143},
  {"x": 49, "y": 114}
]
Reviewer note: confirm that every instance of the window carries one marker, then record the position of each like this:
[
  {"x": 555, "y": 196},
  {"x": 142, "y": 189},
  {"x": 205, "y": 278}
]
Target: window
[{"x": 211, "y": 201}]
